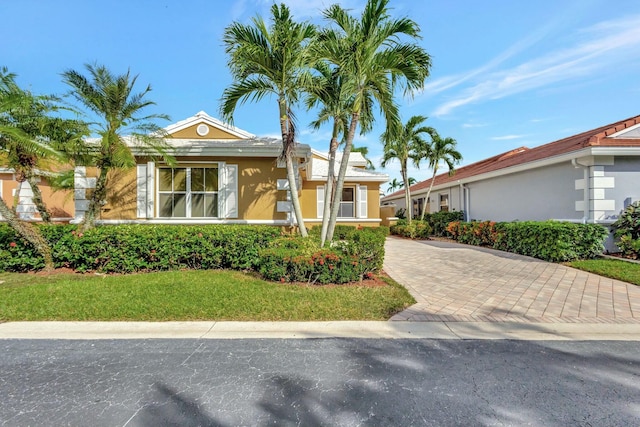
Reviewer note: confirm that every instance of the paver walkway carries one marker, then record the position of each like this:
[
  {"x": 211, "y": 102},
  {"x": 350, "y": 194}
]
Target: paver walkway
[{"x": 454, "y": 282}]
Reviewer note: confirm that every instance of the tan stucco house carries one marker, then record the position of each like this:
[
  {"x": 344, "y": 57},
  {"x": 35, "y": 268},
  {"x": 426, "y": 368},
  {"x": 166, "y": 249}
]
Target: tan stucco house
[{"x": 225, "y": 175}]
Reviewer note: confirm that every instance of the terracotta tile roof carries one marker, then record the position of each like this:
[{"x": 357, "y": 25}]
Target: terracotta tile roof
[{"x": 592, "y": 138}]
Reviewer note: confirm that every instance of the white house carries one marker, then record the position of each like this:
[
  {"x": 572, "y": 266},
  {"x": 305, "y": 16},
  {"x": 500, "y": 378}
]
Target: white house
[{"x": 589, "y": 177}]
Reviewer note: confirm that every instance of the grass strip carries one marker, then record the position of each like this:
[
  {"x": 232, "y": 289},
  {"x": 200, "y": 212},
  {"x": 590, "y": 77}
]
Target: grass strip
[
  {"x": 622, "y": 270},
  {"x": 190, "y": 295}
]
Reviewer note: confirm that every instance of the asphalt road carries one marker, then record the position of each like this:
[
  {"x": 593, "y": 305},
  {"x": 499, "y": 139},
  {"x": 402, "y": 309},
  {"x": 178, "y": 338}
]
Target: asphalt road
[{"x": 332, "y": 382}]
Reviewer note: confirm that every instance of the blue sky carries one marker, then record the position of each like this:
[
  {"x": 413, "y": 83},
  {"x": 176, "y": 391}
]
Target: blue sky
[{"x": 505, "y": 73}]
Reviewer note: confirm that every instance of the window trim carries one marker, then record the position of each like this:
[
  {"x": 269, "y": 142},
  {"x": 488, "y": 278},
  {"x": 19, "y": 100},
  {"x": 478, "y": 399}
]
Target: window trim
[
  {"x": 443, "y": 206},
  {"x": 188, "y": 166},
  {"x": 353, "y": 202}
]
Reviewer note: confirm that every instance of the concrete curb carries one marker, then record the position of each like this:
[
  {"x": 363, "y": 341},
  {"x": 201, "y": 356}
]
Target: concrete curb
[{"x": 308, "y": 330}]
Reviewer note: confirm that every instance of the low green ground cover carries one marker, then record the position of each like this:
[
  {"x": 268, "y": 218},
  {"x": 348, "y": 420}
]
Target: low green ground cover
[
  {"x": 615, "y": 269},
  {"x": 191, "y": 295}
]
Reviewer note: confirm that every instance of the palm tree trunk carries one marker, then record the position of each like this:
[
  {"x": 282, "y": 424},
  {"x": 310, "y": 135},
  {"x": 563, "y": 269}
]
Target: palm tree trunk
[
  {"x": 37, "y": 198},
  {"x": 335, "y": 207},
  {"x": 407, "y": 193},
  {"x": 295, "y": 201},
  {"x": 426, "y": 198},
  {"x": 288, "y": 151},
  {"x": 95, "y": 204},
  {"x": 30, "y": 233},
  {"x": 328, "y": 193}
]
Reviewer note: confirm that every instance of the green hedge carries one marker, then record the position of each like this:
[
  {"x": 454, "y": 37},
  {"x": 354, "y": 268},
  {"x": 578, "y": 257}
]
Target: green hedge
[
  {"x": 439, "y": 221},
  {"x": 142, "y": 248},
  {"x": 415, "y": 230},
  {"x": 547, "y": 240}
]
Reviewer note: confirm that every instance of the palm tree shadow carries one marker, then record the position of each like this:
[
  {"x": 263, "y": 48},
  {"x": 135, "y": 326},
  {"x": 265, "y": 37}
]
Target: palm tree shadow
[{"x": 168, "y": 409}]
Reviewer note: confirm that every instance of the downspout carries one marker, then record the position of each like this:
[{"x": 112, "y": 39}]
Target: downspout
[
  {"x": 462, "y": 201},
  {"x": 460, "y": 205},
  {"x": 586, "y": 207},
  {"x": 467, "y": 203}
]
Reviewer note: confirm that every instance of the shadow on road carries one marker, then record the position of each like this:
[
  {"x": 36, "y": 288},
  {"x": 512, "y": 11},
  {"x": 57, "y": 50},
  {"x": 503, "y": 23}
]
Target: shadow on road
[{"x": 170, "y": 409}]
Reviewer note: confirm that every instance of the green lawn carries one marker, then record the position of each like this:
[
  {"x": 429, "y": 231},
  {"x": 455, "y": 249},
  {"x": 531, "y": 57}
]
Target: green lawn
[
  {"x": 615, "y": 269},
  {"x": 190, "y": 295}
]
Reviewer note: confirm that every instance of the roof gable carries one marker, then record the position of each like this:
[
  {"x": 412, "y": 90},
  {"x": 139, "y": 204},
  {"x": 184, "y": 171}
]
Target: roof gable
[{"x": 203, "y": 126}]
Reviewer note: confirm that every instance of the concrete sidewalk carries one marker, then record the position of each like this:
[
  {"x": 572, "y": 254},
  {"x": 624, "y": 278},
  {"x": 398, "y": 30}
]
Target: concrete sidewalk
[
  {"x": 306, "y": 330},
  {"x": 461, "y": 283}
]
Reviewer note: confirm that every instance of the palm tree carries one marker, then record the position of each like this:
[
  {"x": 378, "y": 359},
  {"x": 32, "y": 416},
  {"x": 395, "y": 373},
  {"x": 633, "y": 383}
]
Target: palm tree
[
  {"x": 327, "y": 93},
  {"x": 111, "y": 98},
  {"x": 440, "y": 150},
  {"x": 404, "y": 143},
  {"x": 394, "y": 185},
  {"x": 410, "y": 180},
  {"x": 372, "y": 59},
  {"x": 270, "y": 60},
  {"x": 29, "y": 137}
]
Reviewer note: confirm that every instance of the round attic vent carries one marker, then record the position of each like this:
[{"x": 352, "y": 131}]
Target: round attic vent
[{"x": 202, "y": 129}]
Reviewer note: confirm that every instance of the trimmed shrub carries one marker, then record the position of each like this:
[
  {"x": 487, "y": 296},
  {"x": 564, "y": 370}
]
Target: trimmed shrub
[
  {"x": 17, "y": 254},
  {"x": 547, "y": 240},
  {"x": 439, "y": 221},
  {"x": 416, "y": 230},
  {"x": 551, "y": 240},
  {"x": 479, "y": 233},
  {"x": 354, "y": 258},
  {"x": 141, "y": 248},
  {"x": 627, "y": 230}
]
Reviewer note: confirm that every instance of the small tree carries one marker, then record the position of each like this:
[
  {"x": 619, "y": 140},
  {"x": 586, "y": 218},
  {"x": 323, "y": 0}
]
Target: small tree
[
  {"x": 31, "y": 140},
  {"x": 404, "y": 143},
  {"x": 372, "y": 59},
  {"x": 119, "y": 110},
  {"x": 270, "y": 60},
  {"x": 440, "y": 150}
]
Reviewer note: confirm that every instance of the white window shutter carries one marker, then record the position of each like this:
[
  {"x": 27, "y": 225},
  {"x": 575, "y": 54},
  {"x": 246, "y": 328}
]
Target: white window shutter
[
  {"x": 362, "y": 201},
  {"x": 151, "y": 188},
  {"x": 320, "y": 201},
  {"x": 231, "y": 191},
  {"x": 141, "y": 191}
]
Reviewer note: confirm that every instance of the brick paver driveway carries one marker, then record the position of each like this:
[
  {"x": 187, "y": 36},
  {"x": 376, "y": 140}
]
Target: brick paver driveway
[{"x": 453, "y": 282}]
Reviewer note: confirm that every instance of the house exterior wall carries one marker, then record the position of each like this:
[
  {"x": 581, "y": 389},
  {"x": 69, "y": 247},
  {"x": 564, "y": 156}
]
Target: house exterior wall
[
  {"x": 257, "y": 190},
  {"x": 59, "y": 203},
  {"x": 626, "y": 174},
  {"x": 309, "y": 204},
  {"x": 538, "y": 194}
]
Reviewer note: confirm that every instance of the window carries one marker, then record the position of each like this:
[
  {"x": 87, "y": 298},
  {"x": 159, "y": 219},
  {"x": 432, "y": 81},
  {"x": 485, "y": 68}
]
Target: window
[
  {"x": 347, "y": 203},
  {"x": 444, "y": 202},
  {"x": 188, "y": 192},
  {"x": 352, "y": 205},
  {"x": 418, "y": 206}
]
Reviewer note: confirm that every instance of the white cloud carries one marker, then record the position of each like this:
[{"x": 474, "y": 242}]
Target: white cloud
[
  {"x": 607, "y": 45},
  {"x": 473, "y": 125},
  {"x": 507, "y": 137}
]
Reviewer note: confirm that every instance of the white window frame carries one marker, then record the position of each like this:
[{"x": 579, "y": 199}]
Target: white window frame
[
  {"x": 360, "y": 202},
  {"x": 188, "y": 166},
  {"x": 443, "y": 197},
  {"x": 353, "y": 203}
]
